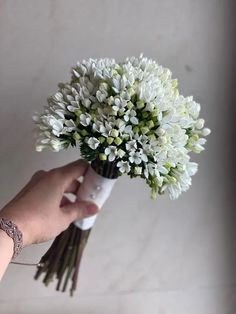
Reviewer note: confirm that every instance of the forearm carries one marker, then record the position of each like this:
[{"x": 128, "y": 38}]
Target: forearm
[{"x": 6, "y": 251}]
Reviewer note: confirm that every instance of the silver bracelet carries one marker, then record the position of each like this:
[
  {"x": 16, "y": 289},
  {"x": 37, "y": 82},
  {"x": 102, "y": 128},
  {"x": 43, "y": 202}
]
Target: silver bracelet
[{"x": 13, "y": 232}]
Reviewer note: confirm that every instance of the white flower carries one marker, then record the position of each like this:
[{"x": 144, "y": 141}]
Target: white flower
[
  {"x": 143, "y": 155},
  {"x": 131, "y": 145},
  {"x": 85, "y": 119},
  {"x": 70, "y": 126},
  {"x": 93, "y": 142},
  {"x": 135, "y": 157},
  {"x": 57, "y": 125},
  {"x": 130, "y": 115},
  {"x": 119, "y": 105},
  {"x": 183, "y": 179},
  {"x": 111, "y": 152},
  {"x": 101, "y": 95},
  {"x": 86, "y": 102},
  {"x": 105, "y": 129},
  {"x": 123, "y": 166}
]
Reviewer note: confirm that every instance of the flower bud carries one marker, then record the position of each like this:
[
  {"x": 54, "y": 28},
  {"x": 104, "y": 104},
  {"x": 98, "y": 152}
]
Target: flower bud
[
  {"x": 136, "y": 129},
  {"x": 174, "y": 83},
  {"x": 120, "y": 153},
  {"x": 200, "y": 123},
  {"x": 141, "y": 124},
  {"x": 102, "y": 156},
  {"x": 206, "y": 131},
  {"x": 101, "y": 139},
  {"x": 114, "y": 133},
  {"x": 150, "y": 124},
  {"x": 140, "y": 104},
  {"x": 76, "y": 136},
  {"x": 83, "y": 132},
  {"x": 130, "y": 105},
  {"x": 145, "y": 114},
  {"x": 152, "y": 137},
  {"x": 160, "y": 131},
  {"x": 77, "y": 112},
  {"x": 155, "y": 113},
  {"x": 110, "y": 100},
  {"x": 144, "y": 130},
  {"x": 171, "y": 179},
  {"x": 167, "y": 166},
  {"x": 118, "y": 141},
  {"x": 110, "y": 140},
  {"x": 138, "y": 170},
  {"x": 195, "y": 137},
  {"x": 131, "y": 92}
]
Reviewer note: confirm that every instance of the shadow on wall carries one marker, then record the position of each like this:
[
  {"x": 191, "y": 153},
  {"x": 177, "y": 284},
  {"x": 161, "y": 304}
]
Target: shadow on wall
[{"x": 228, "y": 122}]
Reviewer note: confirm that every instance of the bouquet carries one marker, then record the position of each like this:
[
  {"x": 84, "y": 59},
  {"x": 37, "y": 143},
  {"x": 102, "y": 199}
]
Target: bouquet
[{"x": 126, "y": 118}]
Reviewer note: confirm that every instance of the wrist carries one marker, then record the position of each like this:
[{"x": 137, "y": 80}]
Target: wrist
[
  {"x": 13, "y": 232},
  {"x": 21, "y": 223},
  {"x": 6, "y": 241},
  {"x": 6, "y": 252}
]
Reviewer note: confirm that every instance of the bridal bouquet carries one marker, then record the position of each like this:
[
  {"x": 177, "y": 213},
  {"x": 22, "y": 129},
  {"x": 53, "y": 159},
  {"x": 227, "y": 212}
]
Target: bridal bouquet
[{"x": 126, "y": 118}]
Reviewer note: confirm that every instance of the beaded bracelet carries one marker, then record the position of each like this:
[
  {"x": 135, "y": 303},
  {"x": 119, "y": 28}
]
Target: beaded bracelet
[{"x": 13, "y": 232}]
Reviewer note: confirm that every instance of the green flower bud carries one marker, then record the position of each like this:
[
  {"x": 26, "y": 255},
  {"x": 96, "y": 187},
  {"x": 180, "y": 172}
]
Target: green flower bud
[
  {"x": 138, "y": 170},
  {"x": 126, "y": 136},
  {"x": 152, "y": 137},
  {"x": 174, "y": 83},
  {"x": 144, "y": 130},
  {"x": 120, "y": 153},
  {"x": 103, "y": 86},
  {"x": 171, "y": 179},
  {"x": 136, "y": 129},
  {"x": 195, "y": 137},
  {"x": 130, "y": 105},
  {"x": 110, "y": 100},
  {"x": 155, "y": 113},
  {"x": 102, "y": 156},
  {"x": 141, "y": 124},
  {"x": 150, "y": 124},
  {"x": 101, "y": 139},
  {"x": 77, "y": 112},
  {"x": 145, "y": 114},
  {"x": 76, "y": 136},
  {"x": 167, "y": 166},
  {"x": 114, "y": 133},
  {"x": 140, "y": 104},
  {"x": 77, "y": 121},
  {"x": 131, "y": 91},
  {"x": 83, "y": 132},
  {"x": 110, "y": 140},
  {"x": 118, "y": 141}
]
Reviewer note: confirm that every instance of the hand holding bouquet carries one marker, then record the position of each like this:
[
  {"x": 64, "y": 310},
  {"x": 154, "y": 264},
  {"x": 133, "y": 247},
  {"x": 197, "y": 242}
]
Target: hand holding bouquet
[{"x": 126, "y": 118}]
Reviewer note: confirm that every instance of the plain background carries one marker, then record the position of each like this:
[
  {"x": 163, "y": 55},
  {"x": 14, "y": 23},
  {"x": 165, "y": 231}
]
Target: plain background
[{"x": 163, "y": 257}]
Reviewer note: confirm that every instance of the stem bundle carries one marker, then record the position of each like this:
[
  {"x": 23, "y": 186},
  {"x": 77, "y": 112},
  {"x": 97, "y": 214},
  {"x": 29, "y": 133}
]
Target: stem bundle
[{"x": 63, "y": 258}]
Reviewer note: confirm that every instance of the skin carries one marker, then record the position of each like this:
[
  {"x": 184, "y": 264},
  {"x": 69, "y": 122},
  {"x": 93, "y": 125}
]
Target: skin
[{"x": 42, "y": 211}]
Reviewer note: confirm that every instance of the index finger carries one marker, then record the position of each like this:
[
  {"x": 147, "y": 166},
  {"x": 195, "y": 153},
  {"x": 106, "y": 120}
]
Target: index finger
[{"x": 74, "y": 170}]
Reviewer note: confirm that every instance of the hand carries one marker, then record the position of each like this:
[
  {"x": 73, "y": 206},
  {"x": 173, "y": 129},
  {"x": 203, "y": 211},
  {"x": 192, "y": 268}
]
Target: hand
[{"x": 41, "y": 210}]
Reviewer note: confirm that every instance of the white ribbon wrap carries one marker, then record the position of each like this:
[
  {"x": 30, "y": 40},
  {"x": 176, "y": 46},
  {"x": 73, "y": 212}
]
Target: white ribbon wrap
[{"x": 94, "y": 188}]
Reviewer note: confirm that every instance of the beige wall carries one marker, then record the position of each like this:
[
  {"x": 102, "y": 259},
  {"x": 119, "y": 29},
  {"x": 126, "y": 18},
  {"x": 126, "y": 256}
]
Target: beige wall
[{"x": 175, "y": 257}]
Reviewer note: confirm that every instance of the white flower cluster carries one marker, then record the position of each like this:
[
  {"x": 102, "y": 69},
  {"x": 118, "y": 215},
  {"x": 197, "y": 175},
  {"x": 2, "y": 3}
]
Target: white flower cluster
[{"x": 130, "y": 113}]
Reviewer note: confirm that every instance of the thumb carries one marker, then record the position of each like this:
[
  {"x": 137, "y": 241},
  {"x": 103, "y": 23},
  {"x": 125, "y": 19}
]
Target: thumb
[{"x": 80, "y": 209}]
